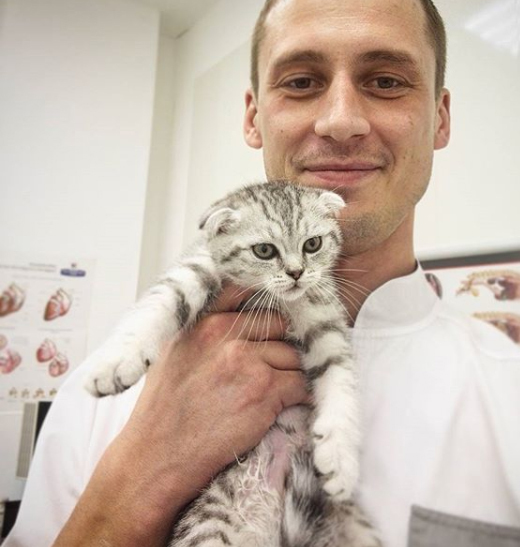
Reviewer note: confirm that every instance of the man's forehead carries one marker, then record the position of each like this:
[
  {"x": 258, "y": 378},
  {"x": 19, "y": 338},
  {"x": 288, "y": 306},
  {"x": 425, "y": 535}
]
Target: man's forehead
[
  {"x": 345, "y": 6},
  {"x": 295, "y": 30},
  {"x": 288, "y": 12}
]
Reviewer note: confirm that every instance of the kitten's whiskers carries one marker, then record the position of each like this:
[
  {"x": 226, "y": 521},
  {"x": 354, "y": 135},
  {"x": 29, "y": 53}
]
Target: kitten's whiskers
[
  {"x": 332, "y": 284},
  {"x": 349, "y": 270},
  {"x": 331, "y": 291},
  {"x": 347, "y": 283},
  {"x": 239, "y": 292}
]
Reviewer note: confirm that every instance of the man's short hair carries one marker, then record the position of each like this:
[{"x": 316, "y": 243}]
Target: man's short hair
[{"x": 436, "y": 36}]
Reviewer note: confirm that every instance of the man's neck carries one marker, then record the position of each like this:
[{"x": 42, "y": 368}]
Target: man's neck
[{"x": 362, "y": 273}]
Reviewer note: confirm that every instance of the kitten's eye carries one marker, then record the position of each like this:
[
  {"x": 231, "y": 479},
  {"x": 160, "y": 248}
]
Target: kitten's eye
[
  {"x": 265, "y": 251},
  {"x": 313, "y": 244}
]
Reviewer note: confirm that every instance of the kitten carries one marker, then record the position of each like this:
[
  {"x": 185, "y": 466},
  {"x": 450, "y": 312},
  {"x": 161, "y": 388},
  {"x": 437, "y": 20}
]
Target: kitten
[{"x": 286, "y": 240}]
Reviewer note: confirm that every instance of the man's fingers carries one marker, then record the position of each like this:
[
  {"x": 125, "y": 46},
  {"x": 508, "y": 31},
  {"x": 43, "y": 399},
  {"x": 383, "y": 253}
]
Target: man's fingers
[
  {"x": 258, "y": 325},
  {"x": 278, "y": 355},
  {"x": 250, "y": 324},
  {"x": 292, "y": 389},
  {"x": 230, "y": 298},
  {"x": 253, "y": 325}
]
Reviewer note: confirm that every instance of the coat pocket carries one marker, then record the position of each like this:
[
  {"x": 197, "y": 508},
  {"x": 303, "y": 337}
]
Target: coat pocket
[{"x": 433, "y": 529}]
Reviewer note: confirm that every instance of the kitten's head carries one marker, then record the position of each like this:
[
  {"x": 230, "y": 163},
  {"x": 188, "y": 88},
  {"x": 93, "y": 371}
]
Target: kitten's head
[{"x": 275, "y": 237}]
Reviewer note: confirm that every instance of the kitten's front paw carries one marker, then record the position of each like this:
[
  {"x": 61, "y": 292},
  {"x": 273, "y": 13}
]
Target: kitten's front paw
[
  {"x": 115, "y": 367},
  {"x": 335, "y": 458}
]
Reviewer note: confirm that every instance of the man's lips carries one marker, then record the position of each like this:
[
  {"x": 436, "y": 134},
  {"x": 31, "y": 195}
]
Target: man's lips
[
  {"x": 351, "y": 166},
  {"x": 342, "y": 173}
]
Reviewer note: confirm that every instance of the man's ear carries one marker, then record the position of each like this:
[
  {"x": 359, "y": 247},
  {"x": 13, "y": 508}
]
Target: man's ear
[
  {"x": 252, "y": 133},
  {"x": 442, "y": 121}
]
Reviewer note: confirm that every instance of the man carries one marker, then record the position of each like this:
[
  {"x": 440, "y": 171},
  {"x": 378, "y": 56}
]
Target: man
[{"x": 347, "y": 95}]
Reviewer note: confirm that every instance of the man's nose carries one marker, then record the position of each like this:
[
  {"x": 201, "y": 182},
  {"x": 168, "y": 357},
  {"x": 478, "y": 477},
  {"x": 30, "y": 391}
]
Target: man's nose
[{"x": 341, "y": 115}]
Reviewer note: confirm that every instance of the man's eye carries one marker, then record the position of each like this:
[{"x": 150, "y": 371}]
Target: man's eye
[
  {"x": 300, "y": 83},
  {"x": 384, "y": 83},
  {"x": 387, "y": 83},
  {"x": 387, "y": 87}
]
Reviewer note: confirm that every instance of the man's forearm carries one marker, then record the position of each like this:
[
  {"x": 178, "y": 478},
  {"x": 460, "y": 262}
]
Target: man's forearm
[{"x": 122, "y": 506}]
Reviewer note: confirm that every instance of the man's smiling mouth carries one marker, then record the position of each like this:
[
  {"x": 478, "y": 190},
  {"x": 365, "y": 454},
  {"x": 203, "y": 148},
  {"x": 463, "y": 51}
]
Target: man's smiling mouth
[{"x": 342, "y": 173}]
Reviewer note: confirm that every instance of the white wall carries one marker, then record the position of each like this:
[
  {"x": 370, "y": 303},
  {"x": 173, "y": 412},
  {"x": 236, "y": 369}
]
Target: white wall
[
  {"x": 225, "y": 28},
  {"x": 473, "y": 202},
  {"x": 76, "y": 100},
  {"x": 156, "y": 210},
  {"x": 474, "y": 197}
]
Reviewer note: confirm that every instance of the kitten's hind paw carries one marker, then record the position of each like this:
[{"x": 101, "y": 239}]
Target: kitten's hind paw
[
  {"x": 115, "y": 368},
  {"x": 335, "y": 460}
]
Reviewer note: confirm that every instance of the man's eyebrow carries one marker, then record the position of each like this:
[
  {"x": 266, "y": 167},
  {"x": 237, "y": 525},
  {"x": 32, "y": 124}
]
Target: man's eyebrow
[
  {"x": 391, "y": 56},
  {"x": 301, "y": 56},
  {"x": 395, "y": 57}
]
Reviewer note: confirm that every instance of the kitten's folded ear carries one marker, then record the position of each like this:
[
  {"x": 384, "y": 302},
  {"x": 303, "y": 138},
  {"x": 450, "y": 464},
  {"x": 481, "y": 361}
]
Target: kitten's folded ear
[
  {"x": 218, "y": 220},
  {"x": 332, "y": 202}
]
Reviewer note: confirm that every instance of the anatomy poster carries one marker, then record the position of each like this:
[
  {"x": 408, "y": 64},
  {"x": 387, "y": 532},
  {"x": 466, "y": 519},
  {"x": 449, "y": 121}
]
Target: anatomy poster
[
  {"x": 485, "y": 286},
  {"x": 44, "y": 311}
]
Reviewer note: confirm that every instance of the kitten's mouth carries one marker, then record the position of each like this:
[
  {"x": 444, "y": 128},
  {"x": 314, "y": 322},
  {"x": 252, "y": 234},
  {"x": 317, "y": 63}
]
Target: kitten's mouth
[{"x": 294, "y": 292}]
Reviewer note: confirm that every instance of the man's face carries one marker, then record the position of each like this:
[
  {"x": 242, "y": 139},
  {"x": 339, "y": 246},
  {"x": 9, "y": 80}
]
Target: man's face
[{"x": 346, "y": 101}]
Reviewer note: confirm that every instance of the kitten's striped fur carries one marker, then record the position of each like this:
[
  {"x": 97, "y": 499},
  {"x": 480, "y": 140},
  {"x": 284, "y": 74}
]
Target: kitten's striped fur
[{"x": 248, "y": 504}]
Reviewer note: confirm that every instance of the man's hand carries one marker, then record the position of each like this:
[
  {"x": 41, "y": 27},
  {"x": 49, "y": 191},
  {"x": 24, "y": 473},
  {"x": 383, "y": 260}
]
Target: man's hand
[
  {"x": 211, "y": 397},
  {"x": 215, "y": 393}
]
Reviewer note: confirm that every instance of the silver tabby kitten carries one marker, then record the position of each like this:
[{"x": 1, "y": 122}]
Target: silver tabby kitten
[{"x": 282, "y": 240}]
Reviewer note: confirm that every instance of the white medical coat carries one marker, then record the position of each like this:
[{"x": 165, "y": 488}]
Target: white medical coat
[{"x": 440, "y": 416}]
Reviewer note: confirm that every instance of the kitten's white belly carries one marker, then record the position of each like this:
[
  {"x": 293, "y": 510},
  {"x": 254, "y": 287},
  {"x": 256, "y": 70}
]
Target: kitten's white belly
[{"x": 260, "y": 481}]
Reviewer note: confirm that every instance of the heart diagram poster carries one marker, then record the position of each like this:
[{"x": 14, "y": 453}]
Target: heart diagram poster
[{"x": 44, "y": 312}]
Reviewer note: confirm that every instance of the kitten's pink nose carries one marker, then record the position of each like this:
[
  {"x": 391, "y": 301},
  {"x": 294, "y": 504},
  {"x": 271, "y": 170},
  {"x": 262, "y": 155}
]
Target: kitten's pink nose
[{"x": 295, "y": 274}]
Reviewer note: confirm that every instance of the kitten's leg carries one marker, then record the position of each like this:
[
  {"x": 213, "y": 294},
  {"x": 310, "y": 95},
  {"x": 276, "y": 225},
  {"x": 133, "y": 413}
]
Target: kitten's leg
[
  {"x": 313, "y": 519},
  {"x": 172, "y": 304},
  {"x": 330, "y": 371},
  {"x": 305, "y": 503},
  {"x": 335, "y": 431},
  {"x": 347, "y": 526}
]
